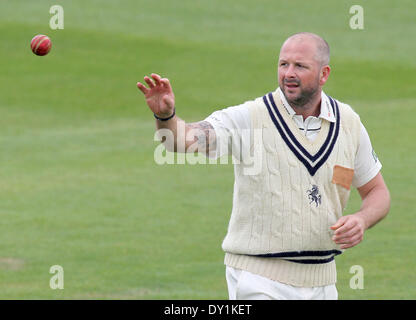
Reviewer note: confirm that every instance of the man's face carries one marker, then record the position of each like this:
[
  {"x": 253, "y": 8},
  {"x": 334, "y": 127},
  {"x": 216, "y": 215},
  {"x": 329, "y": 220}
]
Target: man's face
[{"x": 299, "y": 72}]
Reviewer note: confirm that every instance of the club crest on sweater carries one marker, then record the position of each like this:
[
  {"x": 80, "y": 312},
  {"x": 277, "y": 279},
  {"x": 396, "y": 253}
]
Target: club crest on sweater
[{"x": 314, "y": 196}]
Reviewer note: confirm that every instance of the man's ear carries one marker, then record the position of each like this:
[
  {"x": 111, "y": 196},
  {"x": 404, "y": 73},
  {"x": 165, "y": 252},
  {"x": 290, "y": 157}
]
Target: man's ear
[{"x": 324, "y": 75}]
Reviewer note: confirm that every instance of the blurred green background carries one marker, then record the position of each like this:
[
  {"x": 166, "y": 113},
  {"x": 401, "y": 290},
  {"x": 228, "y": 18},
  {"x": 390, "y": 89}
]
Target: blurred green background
[{"x": 78, "y": 183}]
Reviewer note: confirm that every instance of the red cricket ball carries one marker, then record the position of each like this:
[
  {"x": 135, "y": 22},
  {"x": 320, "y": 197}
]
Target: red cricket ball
[{"x": 41, "y": 45}]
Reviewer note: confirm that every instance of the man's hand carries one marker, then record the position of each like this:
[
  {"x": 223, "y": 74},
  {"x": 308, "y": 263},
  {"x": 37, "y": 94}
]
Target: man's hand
[
  {"x": 349, "y": 231},
  {"x": 187, "y": 137},
  {"x": 159, "y": 96}
]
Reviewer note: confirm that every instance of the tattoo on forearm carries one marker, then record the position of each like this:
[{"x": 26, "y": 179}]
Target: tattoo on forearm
[{"x": 204, "y": 134}]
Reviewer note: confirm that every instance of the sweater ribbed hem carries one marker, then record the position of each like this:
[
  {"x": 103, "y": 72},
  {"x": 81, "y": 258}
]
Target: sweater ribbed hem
[{"x": 292, "y": 273}]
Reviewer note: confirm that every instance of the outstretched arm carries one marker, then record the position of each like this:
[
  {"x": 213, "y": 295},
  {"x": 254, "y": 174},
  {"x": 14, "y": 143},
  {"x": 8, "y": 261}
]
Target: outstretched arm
[
  {"x": 192, "y": 137},
  {"x": 349, "y": 230}
]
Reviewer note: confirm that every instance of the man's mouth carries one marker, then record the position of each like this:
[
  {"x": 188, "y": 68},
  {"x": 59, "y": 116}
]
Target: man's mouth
[{"x": 291, "y": 85}]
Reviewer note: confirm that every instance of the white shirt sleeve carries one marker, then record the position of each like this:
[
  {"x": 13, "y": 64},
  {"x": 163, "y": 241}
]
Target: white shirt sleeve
[
  {"x": 229, "y": 124},
  {"x": 366, "y": 163}
]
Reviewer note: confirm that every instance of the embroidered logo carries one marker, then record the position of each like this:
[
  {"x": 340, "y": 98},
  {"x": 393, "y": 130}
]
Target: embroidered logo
[{"x": 314, "y": 196}]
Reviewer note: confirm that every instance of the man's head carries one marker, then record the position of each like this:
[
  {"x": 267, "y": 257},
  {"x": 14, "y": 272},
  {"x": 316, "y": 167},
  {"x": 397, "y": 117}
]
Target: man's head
[{"x": 303, "y": 68}]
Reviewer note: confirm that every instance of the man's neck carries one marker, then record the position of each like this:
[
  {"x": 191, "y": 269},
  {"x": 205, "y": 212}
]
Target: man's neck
[{"x": 313, "y": 108}]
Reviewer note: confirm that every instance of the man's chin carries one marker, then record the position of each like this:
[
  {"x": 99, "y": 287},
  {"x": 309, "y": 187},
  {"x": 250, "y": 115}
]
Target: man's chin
[
  {"x": 291, "y": 94},
  {"x": 292, "y": 91}
]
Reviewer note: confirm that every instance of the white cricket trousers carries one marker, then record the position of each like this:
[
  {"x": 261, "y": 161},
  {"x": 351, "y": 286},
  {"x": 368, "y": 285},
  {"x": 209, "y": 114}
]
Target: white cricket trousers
[{"x": 244, "y": 285}]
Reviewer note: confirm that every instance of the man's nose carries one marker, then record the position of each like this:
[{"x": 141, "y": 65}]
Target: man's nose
[{"x": 290, "y": 72}]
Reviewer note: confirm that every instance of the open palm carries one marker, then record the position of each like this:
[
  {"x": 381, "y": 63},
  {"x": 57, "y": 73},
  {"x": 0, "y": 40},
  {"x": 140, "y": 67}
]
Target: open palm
[{"x": 159, "y": 96}]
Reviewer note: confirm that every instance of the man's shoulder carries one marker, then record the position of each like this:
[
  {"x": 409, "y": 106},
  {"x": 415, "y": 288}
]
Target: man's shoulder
[
  {"x": 248, "y": 106},
  {"x": 254, "y": 102},
  {"x": 346, "y": 110}
]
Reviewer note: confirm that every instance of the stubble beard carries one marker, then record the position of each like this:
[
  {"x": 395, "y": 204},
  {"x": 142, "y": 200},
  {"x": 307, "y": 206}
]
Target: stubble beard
[{"x": 305, "y": 97}]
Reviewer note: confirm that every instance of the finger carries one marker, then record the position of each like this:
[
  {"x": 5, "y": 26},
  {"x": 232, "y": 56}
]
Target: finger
[
  {"x": 338, "y": 238},
  {"x": 346, "y": 246},
  {"x": 349, "y": 239},
  {"x": 165, "y": 82},
  {"x": 347, "y": 230},
  {"x": 350, "y": 245},
  {"x": 339, "y": 223},
  {"x": 156, "y": 77},
  {"x": 346, "y": 227},
  {"x": 142, "y": 88},
  {"x": 149, "y": 82}
]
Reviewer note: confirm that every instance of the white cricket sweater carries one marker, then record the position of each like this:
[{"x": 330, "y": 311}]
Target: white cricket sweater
[{"x": 281, "y": 217}]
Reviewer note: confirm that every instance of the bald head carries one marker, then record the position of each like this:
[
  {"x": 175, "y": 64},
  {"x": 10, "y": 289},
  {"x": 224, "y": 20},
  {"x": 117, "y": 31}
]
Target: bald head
[
  {"x": 320, "y": 46},
  {"x": 303, "y": 69}
]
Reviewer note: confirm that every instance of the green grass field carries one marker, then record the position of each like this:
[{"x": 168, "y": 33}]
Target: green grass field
[{"x": 79, "y": 185}]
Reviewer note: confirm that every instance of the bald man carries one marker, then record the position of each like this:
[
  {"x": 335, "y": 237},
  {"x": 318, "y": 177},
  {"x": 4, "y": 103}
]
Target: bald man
[{"x": 297, "y": 152}]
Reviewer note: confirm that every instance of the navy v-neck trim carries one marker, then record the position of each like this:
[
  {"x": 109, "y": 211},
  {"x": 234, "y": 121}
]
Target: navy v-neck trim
[{"x": 295, "y": 146}]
